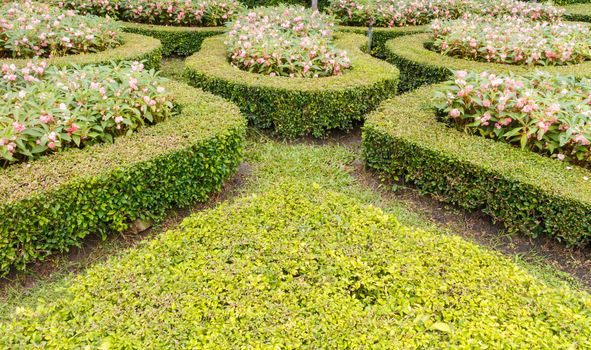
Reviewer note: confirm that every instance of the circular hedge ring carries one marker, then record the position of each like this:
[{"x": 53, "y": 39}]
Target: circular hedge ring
[
  {"x": 528, "y": 192},
  {"x": 135, "y": 47},
  {"x": 578, "y": 12},
  {"x": 297, "y": 106},
  {"x": 181, "y": 41},
  {"x": 50, "y": 204},
  {"x": 419, "y": 66},
  {"x": 381, "y": 35}
]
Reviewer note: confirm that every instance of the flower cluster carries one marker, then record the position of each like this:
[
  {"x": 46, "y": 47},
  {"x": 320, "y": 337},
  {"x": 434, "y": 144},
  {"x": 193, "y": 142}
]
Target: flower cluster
[
  {"x": 46, "y": 109},
  {"x": 512, "y": 40},
  {"x": 397, "y": 13},
  {"x": 285, "y": 41},
  {"x": 545, "y": 113},
  {"x": 32, "y": 29},
  {"x": 198, "y": 13}
]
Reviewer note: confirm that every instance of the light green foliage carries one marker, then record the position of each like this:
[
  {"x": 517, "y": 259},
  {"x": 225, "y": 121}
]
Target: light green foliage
[
  {"x": 579, "y": 11},
  {"x": 51, "y": 204},
  {"x": 297, "y": 106},
  {"x": 304, "y": 267},
  {"x": 134, "y": 48},
  {"x": 528, "y": 192},
  {"x": 419, "y": 66}
]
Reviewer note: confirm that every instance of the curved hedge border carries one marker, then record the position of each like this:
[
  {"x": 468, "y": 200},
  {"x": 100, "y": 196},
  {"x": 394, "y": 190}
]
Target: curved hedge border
[
  {"x": 297, "y": 106},
  {"x": 135, "y": 48},
  {"x": 51, "y": 204},
  {"x": 181, "y": 41},
  {"x": 578, "y": 12},
  {"x": 419, "y": 65},
  {"x": 381, "y": 35},
  {"x": 528, "y": 192}
]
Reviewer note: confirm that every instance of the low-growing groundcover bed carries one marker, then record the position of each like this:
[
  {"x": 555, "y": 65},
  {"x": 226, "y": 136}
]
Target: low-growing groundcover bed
[
  {"x": 52, "y": 203},
  {"x": 302, "y": 267},
  {"x": 297, "y": 106},
  {"x": 420, "y": 65},
  {"x": 529, "y": 193}
]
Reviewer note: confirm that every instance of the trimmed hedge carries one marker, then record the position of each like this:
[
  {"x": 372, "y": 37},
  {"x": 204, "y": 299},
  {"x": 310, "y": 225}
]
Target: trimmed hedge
[
  {"x": 51, "y": 204},
  {"x": 134, "y": 48},
  {"x": 180, "y": 41},
  {"x": 297, "y": 106},
  {"x": 307, "y": 3},
  {"x": 419, "y": 66},
  {"x": 579, "y": 12},
  {"x": 304, "y": 268},
  {"x": 527, "y": 192},
  {"x": 381, "y": 35}
]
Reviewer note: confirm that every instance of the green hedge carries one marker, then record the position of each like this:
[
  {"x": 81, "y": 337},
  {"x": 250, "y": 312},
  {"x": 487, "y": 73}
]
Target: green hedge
[
  {"x": 51, "y": 204},
  {"x": 134, "y": 48},
  {"x": 527, "y": 192},
  {"x": 579, "y": 12},
  {"x": 419, "y": 65},
  {"x": 381, "y": 35},
  {"x": 307, "y": 3},
  {"x": 297, "y": 106},
  {"x": 180, "y": 41},
  {"x": 300, "y": 268}
]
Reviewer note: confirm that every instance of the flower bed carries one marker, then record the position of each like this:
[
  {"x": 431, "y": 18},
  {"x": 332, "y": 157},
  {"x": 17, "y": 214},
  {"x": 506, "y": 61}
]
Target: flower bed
[
  {"x": 303, "y": 268},
  {"x": 180, "y": 35},
  {"x": 527, "y": 192},
  {"x": 48, "y": 109},
  {"x": 512, "y": 40},
  {"x": 201, "y": 13},
  {"x": 400, "y": 13},
  {"x": 541, "y": 112},
  {"x": 134, "y": 48},
  {"x": 419, "y": 65},
  {"x": 286, "y": 41},
  {"x": 52, "y": 203},
  {"x": 31, "y": 29},
  {"x": 297, "y": 106}
]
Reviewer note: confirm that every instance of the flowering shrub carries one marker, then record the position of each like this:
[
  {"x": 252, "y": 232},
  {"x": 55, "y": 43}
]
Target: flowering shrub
[
  {"x": 285, "y": 41},
  {"x": 199, "y": 13},
  {"x": 541, "y": 112},
  {"x": 46, "y": 109},
  {"x": 512, "y": 40},
  {"x": 397, "y": 13},
  {"x": 31, "y": 29}
]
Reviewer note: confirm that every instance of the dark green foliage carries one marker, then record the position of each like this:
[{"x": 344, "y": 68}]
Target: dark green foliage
[
  {"x": 527, "y": 192},
  {"x": 258, "y": 3},
  {"x": 580, "y": 11},
  {"x": 51, "y": 204},
  {"x": 302, "y": 267},
  {"x": 180, "y": 41},
  {"x": 419, "y": 66},
  {"x": 297, "y": 106},
  {"x": 570, "y": 2},
  {"x": 381, "y": 35},
  {"x": 135, "y": 48}
]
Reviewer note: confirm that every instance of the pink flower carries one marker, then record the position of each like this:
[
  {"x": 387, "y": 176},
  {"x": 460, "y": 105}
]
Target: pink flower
[
  {"x": 46, "y": 118},
  {"x": 18, "y": 127},
  {"x": 454, "y": 113}
]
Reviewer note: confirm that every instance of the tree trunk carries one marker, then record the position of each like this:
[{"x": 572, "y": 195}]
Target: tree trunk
[{"x": 315, "y": 5}]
